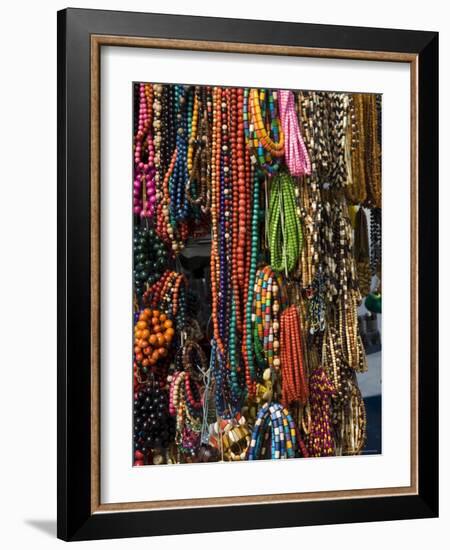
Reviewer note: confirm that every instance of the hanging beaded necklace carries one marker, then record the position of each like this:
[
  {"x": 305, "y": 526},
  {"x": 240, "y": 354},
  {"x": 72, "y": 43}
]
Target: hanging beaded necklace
[
  {"x": 274, "y": 433},
  {"x": 319, "y": 440},
  {"x": 285, "y": 231},
  {"x": 144, "y": 191},
  {"x": 199, "y": 153},
  {"x": 294, "y": 376},
  {"x": 372, "y": 150},
  {"x": 355, "y": 190},
  {"x": 178, "y": 200},
  {"x": 353, "y": 434},
  {"x": 149, "y": 259},
  {"x": 266, "y": 319},
  {"x": 296, "y": 154},
  {"x": 362, "y": 252},
  {"x": 264, "y": 151},
  {"x": 154, "y": 429},
  {"x": 338, "y": 129},
  {"x": 250, "y": 370},
  {"x": 375, "y": 242}
]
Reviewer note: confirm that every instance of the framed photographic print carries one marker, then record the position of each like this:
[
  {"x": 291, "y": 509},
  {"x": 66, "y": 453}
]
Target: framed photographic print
[{"x": 247, "y": 252}]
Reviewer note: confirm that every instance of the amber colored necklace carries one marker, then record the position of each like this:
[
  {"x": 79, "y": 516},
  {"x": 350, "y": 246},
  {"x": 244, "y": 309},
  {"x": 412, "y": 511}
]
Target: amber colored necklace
[
  {"x": 372, "y": 150},
  {"x": 355, "y": 190}
]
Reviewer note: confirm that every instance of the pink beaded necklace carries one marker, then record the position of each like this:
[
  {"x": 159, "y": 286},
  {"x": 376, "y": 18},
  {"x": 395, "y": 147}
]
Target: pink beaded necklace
[
  {"x": 144, "y": 187},
  {"x": 296, "y": 155}
]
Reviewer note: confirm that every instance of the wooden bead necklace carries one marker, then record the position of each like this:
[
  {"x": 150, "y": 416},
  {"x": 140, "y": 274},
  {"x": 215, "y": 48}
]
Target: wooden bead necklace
[
  {"x": 266, "y": 319},
  {"x": 355, "y": 190},
  {"x": 352, "y": 436},
  {"x": 338, "y": 129},
  {"x": 294, "y": 376},
  {"x": 275, "y": 148},
  {"x": 362, "y": 252},
  {"x": 372, "y": 150},
  {"x": 274, "y": 434},
  {"x": 264, "y": 151}
]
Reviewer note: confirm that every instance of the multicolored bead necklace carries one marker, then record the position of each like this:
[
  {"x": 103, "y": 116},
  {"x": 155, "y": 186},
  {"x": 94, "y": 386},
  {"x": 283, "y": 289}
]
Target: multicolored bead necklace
[{"x": 269, "y": 175}]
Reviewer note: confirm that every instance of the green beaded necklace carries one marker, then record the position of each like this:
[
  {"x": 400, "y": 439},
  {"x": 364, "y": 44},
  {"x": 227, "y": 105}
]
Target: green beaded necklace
[{"x": 284, "y": 227}]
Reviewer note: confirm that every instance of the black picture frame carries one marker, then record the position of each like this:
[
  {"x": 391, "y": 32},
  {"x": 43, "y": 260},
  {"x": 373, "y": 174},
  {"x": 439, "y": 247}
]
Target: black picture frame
[{"x": 75, "y": 518}]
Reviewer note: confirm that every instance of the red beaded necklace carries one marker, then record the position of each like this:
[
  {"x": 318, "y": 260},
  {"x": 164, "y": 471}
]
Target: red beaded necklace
[{"x": 295, "y": 383}]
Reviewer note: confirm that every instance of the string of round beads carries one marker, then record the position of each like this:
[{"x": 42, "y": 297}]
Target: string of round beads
[
  {"x": 153, "y": 334},
  {"x": 149, "y": 258},
  {"x": 250, "y": 373},
  {"x": 144, "y": 189},
  {"x": 154, "y": 429}
]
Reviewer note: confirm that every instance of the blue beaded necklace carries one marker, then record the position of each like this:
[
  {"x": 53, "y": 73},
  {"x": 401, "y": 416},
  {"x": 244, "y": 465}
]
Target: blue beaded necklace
[
  {"x": 276, "y": 422},
  {"x": 179, "y": 204}
]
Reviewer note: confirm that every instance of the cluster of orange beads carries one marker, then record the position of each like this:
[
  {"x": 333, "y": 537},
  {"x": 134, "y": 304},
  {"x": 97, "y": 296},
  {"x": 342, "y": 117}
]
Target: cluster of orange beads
[{"x": 153, "y": 335}]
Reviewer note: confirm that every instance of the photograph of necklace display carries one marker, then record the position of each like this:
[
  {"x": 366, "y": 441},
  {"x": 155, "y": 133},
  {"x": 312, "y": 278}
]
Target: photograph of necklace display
[{"x": 256, "y": 274}]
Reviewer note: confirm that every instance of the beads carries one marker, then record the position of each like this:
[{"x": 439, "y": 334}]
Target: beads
[
  {"x": 264, "y": 365},
  {"x": 297, "y": 158},
  {"x": 294, "y": 381},
  {"x": 144, "y": 186},
  {"x": 274, "y": 434},
  {"x": 285, "y": 232},
  {"x": 154, "y": 430},
  {"x": 266, "y": 319},
  {"x": 153, "y": 334},
  {"x": 149, "y": 258},
  {"x": 320, "y": 440}
]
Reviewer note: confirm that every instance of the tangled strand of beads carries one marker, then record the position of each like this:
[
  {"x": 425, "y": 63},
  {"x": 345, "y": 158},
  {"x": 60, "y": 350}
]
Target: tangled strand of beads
[{"x": 186, "y": 397}]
